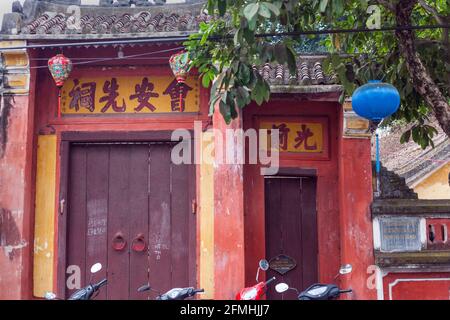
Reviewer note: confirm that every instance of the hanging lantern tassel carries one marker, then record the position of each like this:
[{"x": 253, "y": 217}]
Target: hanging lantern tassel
[
  {"x": 180, "y": 65},
  {"x": 181, "y": 84},
  {"x": 378, "y": 164},
  {"x": 60, "y": 67},
  {"x": 59, "y": 102}
]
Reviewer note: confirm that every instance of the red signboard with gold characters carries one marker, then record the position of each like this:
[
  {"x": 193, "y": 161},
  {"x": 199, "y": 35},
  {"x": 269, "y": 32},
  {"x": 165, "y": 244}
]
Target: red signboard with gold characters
[
  {"x": 129, "y": 95},
  {"x": 307, "y": 136}
]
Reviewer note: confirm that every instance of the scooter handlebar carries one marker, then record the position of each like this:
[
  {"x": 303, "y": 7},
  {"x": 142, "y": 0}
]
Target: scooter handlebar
[
  {"x": 345, "y": 291},
  {"x": 199, "y": 291},
  {"x": 101, "y": 284},
  {"x": 270, "y": 281}
]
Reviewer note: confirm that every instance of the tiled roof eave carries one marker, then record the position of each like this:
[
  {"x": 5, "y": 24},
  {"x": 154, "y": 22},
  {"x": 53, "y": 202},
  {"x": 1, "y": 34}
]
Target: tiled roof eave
[
  {"x": 313, "y": 89},
  {"x": 417, "y": 171},
  {"x": 311, "y": 92},
  {"x": 96, "y": 36}
]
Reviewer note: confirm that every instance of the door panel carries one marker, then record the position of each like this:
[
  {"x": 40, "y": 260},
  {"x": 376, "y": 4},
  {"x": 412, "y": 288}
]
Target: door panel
[
  {"x": 97, "y": 176},
  {"x": 291, "y": 229},
  {"x": 180, "y": 222},
  {"x": 160, "y": 219},
  {"x": 129, "y": 209},
  {"x": 139, "y": 218},
  {"x": 118, "y": 223},
  {"x": 76, "y": 241},
  {"x": 309, "y": 232}
]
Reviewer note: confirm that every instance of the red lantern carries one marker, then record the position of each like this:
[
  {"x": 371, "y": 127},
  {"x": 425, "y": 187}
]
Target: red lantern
[
  {"x": 60, "y": 67},
  {"x": 180, "y": 65}
]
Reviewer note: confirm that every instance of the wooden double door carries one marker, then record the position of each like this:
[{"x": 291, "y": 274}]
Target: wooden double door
[
  {"x": 291, "y": 233},
  {"x": 130, "y": 208}
]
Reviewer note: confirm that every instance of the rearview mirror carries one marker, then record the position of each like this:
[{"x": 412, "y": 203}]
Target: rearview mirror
[
  {"x": 145, "y": 287},
  {"x": 50, "y": 296},
  {"x": 96, "y": 268},
  {"x": 281, "y": 287},
  {"x": 264, "y": 265},
  {"x": 346, "y": 269}
]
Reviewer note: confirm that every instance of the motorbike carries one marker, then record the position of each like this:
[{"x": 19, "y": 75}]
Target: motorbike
[
  {"x": 173, "y": 294},
  {"x": 258, "y": 291},
  {"x": 87, "y": 293},
  {"x": 319, "y": 291}
]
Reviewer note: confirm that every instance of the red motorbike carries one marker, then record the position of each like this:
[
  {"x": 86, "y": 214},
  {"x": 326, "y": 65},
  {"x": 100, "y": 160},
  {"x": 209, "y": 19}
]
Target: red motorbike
[{"x": 258, "y": 291}]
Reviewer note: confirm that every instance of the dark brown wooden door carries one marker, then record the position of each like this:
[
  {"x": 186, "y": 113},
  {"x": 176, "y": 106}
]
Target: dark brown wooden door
[
  {"x": 291, "y": 230},
  {"x": 130, "y": 209}
]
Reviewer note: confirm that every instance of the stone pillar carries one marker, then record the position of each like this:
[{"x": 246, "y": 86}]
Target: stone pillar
[
  {"x": 16, "y": 149},
  {"x": 229, "y": 255},
  {"x": 356, "y": 193}
]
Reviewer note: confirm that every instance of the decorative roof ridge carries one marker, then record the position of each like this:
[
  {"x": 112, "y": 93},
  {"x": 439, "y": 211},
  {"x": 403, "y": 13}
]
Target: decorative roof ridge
[{"x": 68, "y": 17}]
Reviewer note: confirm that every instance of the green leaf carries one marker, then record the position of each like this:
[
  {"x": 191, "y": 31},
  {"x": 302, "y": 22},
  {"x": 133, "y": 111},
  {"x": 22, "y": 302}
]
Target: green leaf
[
  {"x": 323, "y": 5},
  {"x": 266, "y": 91},
  {"x": 244, "y": 73},
  {"x": 291, "y": 60},
  {"x": 415, "y": 134},
  {"x": 242, "y": 97},
  {"x": 275, "y": 10},
  {"x": 212, "y": 103},
  {"x": 267, "y": 53},
  {"x": 280, "y": 53},
  {"x": 264, "y": 11},
  {"x": 206, "y": 80},
  {"x": 249, "y": 35},
  {"x": 405, "y": 137},
  {"x": 338, "y": 7},
  {"x": 252, "y": 24},
  {"x": 237, "y": 39},
  {"x": 232, "y": 105},
  {"x": 222, "y": 4},
  {"x": 210, "y": 6},
  {"x": 259, "y": 93},
  {"x": 225, "y": 111},
  {"x": 250, "y": 11}
]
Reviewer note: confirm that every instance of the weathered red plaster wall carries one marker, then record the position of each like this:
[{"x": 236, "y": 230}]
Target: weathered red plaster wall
[
  {"x": 417, "y": 286},
  {"x": 229, "y": 258},
  {"x": 356, "y": 222},
  {"x": 327, "y": 188},
  {"x": 16, "y": 201}
]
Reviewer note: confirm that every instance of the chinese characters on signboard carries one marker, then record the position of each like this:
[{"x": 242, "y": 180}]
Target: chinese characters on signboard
[
  {"x": 298, "y": 136},
  {"x": 124, "y": 95}
]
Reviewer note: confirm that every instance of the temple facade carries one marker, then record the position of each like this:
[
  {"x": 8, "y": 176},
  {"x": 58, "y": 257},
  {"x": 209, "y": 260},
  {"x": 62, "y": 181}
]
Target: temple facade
[{"x": 90, "y": 176}]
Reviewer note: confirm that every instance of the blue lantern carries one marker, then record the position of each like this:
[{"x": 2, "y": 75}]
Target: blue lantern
[{"x": 375, "y": 101}]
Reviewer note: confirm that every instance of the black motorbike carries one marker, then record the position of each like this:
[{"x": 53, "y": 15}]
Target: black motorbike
[
  {"x": 87, "y": 293},
  {"x": 318, "y": 291},
  {"x": 174, "y": 294}
]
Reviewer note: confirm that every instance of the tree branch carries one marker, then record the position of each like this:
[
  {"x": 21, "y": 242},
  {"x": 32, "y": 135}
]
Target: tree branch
[
  {"x": 421, "y": 78},
  {"x": 445, "y": 32},
  {"x": 432, "y": 10},
  {"x": 387, "y": 4}
]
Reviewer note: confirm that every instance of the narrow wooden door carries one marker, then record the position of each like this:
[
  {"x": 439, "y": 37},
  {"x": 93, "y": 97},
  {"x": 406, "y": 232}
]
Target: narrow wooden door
[
  {"x": 130, "y": 209},
  {"x": 291, "y": 233}
]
